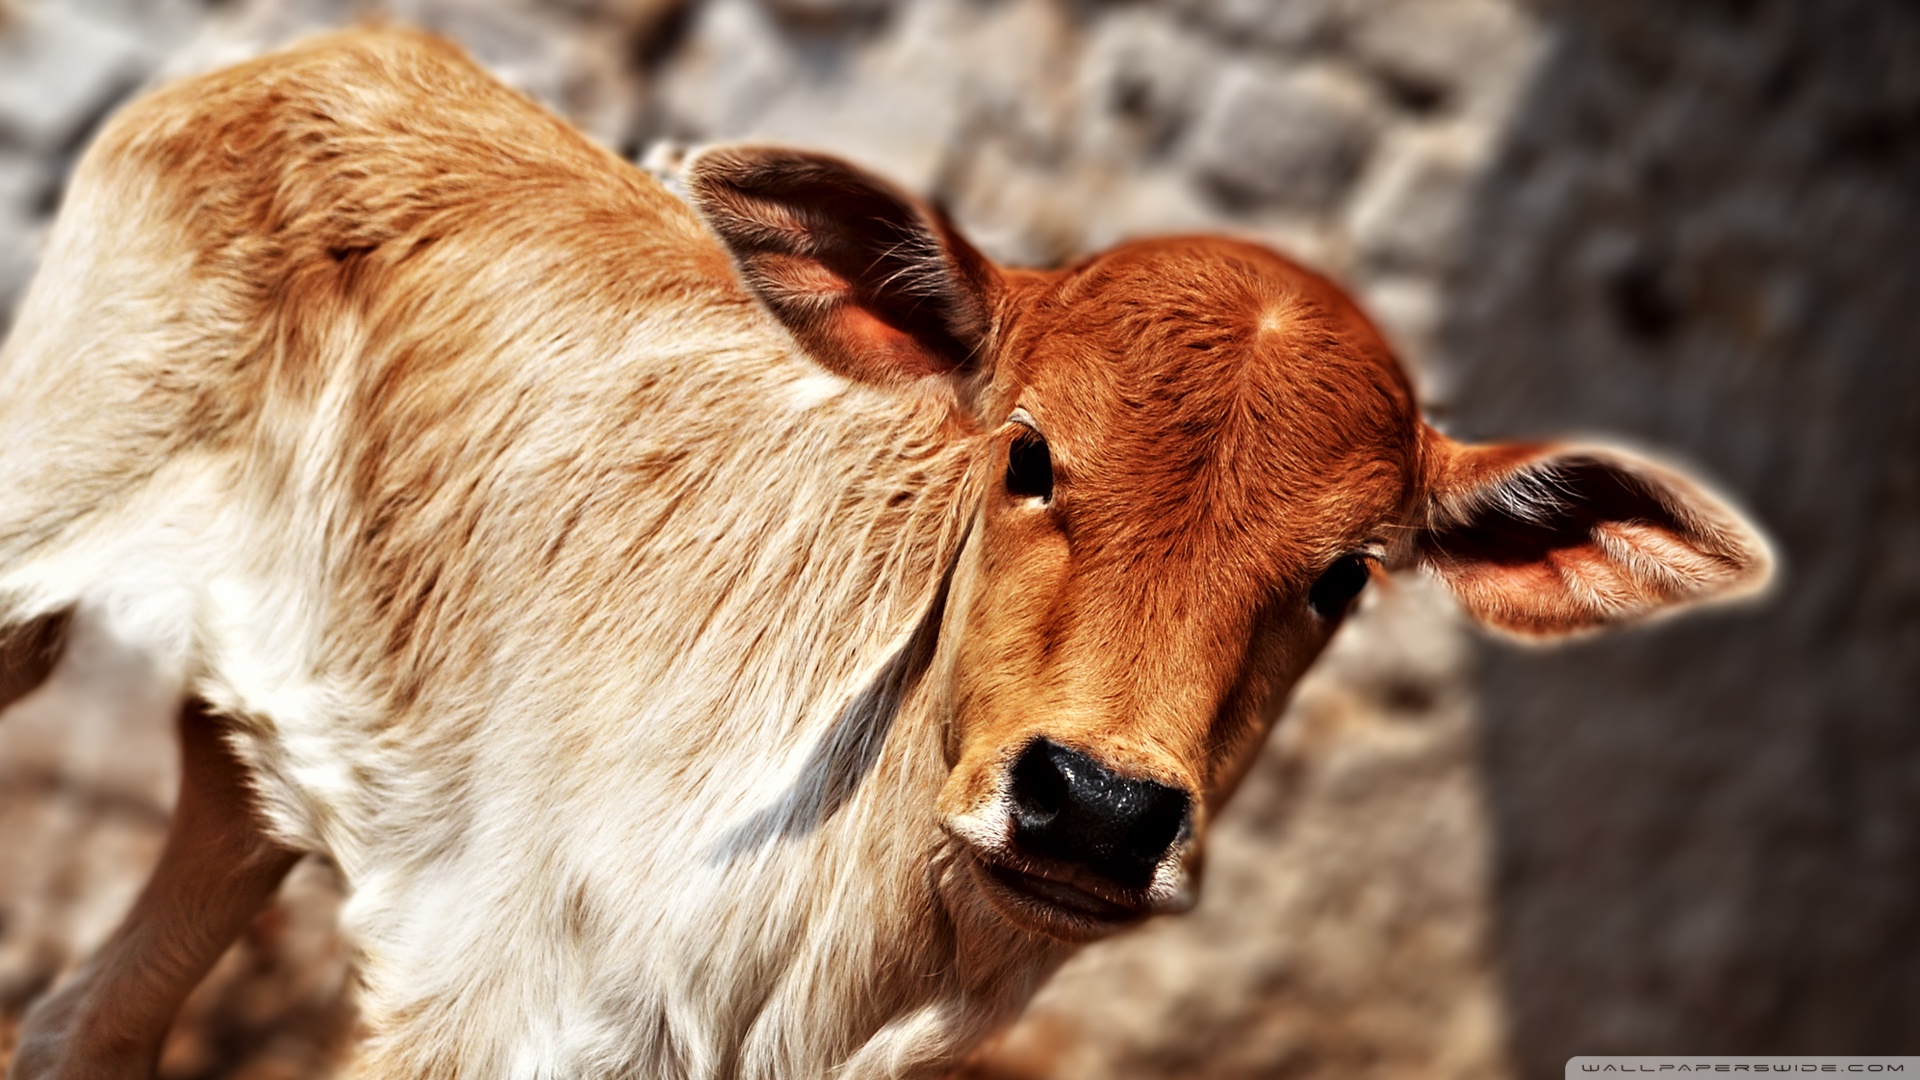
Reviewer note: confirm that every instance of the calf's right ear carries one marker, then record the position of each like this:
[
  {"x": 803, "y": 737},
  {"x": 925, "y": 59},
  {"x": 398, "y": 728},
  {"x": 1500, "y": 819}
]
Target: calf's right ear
[
  {"x": 1543, "y": 540},
  {"x": 875, "y": 285}
]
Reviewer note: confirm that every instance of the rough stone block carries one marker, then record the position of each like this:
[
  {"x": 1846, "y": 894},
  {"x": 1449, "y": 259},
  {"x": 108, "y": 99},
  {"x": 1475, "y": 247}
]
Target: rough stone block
[
  {"x": 22, "y": 182},
  {"x": 1446, "y": 54},
  {"x": 59, "y": 71},
  {"x": 1141, "y": 80},
  {"x": 1275, "y": 137},
  {"x": 727, "y": 74},
  {"x": 1284, "y": 24},
  {"x": 1408, "y": 213}
]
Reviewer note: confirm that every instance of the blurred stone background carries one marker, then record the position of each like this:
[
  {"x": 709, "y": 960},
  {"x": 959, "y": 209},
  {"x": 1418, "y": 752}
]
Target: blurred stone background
[{"x": 1695, "y": 225}]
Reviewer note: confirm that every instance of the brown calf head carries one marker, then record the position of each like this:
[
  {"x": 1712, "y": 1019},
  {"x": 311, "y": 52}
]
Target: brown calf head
[{"x": 1204, "y": 452}]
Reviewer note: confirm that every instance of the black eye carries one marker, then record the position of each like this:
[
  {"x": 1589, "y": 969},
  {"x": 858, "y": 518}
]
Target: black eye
[
  {"x": 1029, "y": 467},
  {"x": 1334, "y": 592}
]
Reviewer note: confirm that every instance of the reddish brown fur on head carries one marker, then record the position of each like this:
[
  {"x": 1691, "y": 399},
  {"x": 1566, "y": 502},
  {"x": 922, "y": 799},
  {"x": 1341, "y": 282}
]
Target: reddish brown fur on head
[{"x": 1229, "y": 446}]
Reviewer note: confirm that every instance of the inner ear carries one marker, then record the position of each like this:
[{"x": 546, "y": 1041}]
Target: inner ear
[
  {"x": 874, "y": 284},
  {"x": 1547, "y": 508},
  {"x": 1544, "y": 541}
]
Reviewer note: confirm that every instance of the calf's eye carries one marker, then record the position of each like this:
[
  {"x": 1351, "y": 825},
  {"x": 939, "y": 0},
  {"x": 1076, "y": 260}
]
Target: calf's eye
[
  {"x": 1029, "y": 467},
  {"x": 1334, "y": 592}
]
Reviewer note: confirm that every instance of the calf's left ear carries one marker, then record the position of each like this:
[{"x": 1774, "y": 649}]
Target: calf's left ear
[
  {"x": 874, "y": 284},
  {"x": 1544, "y": 541}
]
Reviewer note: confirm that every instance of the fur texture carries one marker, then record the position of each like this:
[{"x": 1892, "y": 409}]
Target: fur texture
[{"x": 631, "y": 604}]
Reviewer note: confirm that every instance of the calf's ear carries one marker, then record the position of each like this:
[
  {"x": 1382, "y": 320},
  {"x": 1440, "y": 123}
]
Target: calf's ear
[
  {"x": 874, "y": 284},
  {"x": 1542, "y": 541}
]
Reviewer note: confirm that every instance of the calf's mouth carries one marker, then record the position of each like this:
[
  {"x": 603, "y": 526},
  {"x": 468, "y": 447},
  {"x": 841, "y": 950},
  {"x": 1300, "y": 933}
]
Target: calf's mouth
[{"x": 1071, "y": 905}]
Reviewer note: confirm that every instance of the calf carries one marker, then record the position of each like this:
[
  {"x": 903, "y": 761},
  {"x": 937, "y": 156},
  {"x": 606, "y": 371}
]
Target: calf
[{"x": 754, "y": 639}]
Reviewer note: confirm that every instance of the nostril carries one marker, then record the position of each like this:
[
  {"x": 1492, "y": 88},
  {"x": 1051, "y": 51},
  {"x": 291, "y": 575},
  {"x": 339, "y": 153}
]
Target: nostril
[
  {"x": 1158, "y": 824},
  {"x": 1039, "y": 787}
]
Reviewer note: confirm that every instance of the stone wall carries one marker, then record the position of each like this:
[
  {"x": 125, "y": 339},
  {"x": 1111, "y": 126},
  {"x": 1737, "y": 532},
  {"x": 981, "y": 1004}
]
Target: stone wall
[
  {"x": 1703, "y": 231},
  {"x": 1696, "y": 231}
]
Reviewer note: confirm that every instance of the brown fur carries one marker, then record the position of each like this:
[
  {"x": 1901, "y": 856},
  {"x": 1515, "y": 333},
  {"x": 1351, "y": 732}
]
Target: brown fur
[{"x": 628, "y": 599}]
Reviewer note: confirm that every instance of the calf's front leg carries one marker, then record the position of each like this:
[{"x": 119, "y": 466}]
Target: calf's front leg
[{"x": 217, "y": 870}]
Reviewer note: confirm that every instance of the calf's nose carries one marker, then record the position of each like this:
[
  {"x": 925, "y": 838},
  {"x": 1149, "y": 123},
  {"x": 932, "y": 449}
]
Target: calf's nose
[{"x": 1070, "y": 808}]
